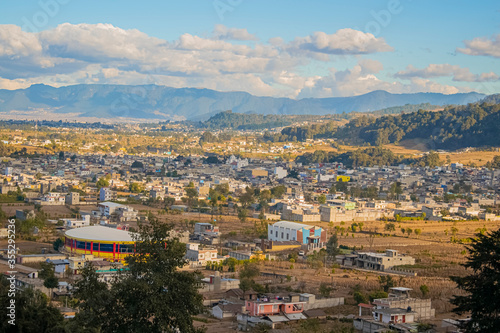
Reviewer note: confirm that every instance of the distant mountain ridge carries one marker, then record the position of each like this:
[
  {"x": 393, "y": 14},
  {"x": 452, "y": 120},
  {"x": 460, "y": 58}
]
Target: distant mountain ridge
[{"x": 160, "y": 102}]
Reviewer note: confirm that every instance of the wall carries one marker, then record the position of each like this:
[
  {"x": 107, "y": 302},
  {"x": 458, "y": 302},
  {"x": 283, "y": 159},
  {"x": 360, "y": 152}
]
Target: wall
[{"x": 324, "y": 303}]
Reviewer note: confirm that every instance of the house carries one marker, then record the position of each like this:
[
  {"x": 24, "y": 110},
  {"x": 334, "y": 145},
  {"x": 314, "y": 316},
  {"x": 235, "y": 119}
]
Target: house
[
  {"x": 199, "y": 256},
  {"x": 267, "y": 307},
  {"x": 206, "y": 229},
  {"x": 226, "y": 310},
  {"x": 399, "y": 297},
  {"x": 382, "y": 261},
  {"x": 107, "y": 194},
  {"x": 77, "y": 223},
  {"x": 60, "y": 265},
  {"x": 292, "y": 231},
  {"x": 398, "y": 312},
  {"x": 123, "y": 212}
]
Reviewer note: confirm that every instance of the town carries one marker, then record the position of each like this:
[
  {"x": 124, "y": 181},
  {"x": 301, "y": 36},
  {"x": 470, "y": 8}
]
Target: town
[{"x": 398, "y": 231}]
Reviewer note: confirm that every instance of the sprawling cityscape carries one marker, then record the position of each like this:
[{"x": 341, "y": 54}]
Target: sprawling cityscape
[{"x": 224, "y": 181}]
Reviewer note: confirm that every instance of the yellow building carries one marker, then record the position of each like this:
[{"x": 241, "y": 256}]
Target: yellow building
[
  {"x": 342, "y": 178},
  {"x": 101, "y": 242}
]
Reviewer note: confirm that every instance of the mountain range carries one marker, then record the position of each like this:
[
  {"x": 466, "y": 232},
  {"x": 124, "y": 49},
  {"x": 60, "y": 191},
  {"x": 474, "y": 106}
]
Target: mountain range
[{"x": 166, "y": 103}]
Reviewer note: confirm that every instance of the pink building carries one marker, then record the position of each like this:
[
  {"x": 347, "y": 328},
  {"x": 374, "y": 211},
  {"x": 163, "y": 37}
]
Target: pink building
[{"x": 268, "y": 307}]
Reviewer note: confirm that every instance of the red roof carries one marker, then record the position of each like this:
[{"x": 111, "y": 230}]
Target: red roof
[{"x": 364, "y": 305}]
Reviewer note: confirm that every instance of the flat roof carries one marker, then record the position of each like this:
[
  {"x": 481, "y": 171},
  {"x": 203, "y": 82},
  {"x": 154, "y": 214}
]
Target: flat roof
[
  {"x": 292, "y": 225},
  {"x": 401, "y": 289},
  {"x": 100, "y": 233}
]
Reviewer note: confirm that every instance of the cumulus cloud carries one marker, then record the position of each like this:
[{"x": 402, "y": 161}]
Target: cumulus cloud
[
  {"x": 223, "y": 32},
  {"x": 439, "y": 70},
  {"x": 103, "y": 53},
  {"x": 362, "y": 79},
  {"x": 343, "y": 42},
  {"x": 482, "y": 46}
]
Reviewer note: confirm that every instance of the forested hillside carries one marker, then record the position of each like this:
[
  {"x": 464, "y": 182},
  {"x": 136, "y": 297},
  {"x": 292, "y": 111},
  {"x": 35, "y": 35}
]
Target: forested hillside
[
  {"x": 455, "y": 127},
  {"x": 368, "y": 157}
]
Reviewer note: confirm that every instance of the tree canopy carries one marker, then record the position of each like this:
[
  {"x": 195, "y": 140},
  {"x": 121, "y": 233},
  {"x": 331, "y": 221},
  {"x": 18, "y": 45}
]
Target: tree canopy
[
  {"x": 151, "y": 295},
  {"x": 481, "y": 284}
]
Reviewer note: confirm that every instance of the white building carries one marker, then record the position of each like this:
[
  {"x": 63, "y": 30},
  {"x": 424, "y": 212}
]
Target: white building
[
  {"x": 292, "y": 231},
  {"x": 77, "y": 223},
  {"x": 199, "y": 256},
  {"x": 280, "y": 172}
]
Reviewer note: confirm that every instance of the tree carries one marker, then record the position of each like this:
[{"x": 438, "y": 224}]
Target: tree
[
  {"x": 377, "y": 294},
  {"x": 57, "y": 244},
  {"x": 152, "y": 295},
  {"x": 359, "y": 297},
  {"x": 386, "y": 282},
  {"x": 242, "y": 214},
  {"x": 136, "y": 187},
  {"x": 325, "y": 289},
  {"x": 424, "y": 290},
  {"x": 481, "y": 285},
  {"x": 51, "y": 282},
  {"x": 332, "y": 246},
  {"x": 390, "y": 227},
  {"x": 33, "y": 311},
  {"x": 102, "y": 182},
  {"x": 137, "y": 164},
  {"x": 322, "y": 199},
  {"x": 250, "y": 270}
]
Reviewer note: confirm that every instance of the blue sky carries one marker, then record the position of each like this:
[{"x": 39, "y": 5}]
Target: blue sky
[{"x": 277, "y": 48}]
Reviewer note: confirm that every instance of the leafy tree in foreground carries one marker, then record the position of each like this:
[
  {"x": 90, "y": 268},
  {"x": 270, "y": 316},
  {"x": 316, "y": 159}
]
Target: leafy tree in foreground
[
  {"x": 482, "y": 284},
  {"x": 33, "y": 313},
  {"x": 151, "y": 296}
]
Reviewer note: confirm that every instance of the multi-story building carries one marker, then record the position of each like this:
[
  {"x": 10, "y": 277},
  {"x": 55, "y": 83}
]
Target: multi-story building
[
  {"x": 199, "y": 256},
  {"x": 107, "y": 194},
  {"x": 269, "y": 307},
  {"x": 206, "y": 229},
  {"x": 292, "y": 231},
  {"x": 383, "y": 261}
]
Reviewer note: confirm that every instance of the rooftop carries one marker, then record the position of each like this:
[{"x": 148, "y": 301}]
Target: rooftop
[
  {"x": 291, "y": 225},
  {"x": 100, "y": 233}
]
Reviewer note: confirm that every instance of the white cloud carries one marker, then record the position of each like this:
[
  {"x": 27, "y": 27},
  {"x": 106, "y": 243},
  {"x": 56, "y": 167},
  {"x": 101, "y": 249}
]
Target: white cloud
[
  {"x": 103, "y": 53},
  {"x": 223, "y": 32},
  {"x": 441, "y": 70},
  {"x": 362, "y": 79},
  {"x": 343, "y": 42},
  {"x": 482, "y": 46}
]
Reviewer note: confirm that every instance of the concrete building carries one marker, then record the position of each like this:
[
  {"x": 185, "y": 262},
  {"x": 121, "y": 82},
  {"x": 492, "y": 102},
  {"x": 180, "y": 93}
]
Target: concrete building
[
  {"x": 107, "y": 194},
  {"x": 123, "y": 213},
  {"x": 292, "y": 231},
  {"x": 382, "y": 261},
  {"x": 73, "y": 198},
  {"x": 206, "y": 229},
  {"x": 399, "y": 297},
  {"x": 199, "y": 256},
  {"x": 77, "y": 223}
]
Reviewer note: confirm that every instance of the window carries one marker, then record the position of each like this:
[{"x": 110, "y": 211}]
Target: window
[
  {"x": 95, "y": 247},
  {"x": 80, "y": 245},
  {"x": 106, "y": 247},
  {"x": 287, "y": 236},
  {"x": 87, "y": 245},
  {"x": 282, "y": 235}
]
